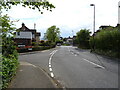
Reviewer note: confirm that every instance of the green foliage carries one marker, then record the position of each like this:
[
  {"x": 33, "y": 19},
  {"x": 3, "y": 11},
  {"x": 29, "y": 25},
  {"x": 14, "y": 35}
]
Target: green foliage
[
  {"x": 6, "y": 24},
  {"x": 75, "y": 42},
  {"x": 8, "y": 47},
  {"x": 34, "y": 44},
  {"x": 83, "y": 38},
  {"x": 9, "y": 66},
  {"x": 66, "y": 44},
  {"x": 45, "y": 43},
  {"x": 107, "y": 41},
  {"x": 52, "y": 34},
  {"x": 9, "y": 55},
  {"x": 59, "y": 41},
  {"x": 32, "y": 5}
]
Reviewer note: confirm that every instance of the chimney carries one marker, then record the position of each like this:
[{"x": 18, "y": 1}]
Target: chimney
[{"x": 23, "y": 24}]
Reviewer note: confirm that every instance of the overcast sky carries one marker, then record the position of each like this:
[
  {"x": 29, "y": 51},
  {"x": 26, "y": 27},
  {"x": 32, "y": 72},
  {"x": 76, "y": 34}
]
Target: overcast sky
[{"x": 68, "y": 15}]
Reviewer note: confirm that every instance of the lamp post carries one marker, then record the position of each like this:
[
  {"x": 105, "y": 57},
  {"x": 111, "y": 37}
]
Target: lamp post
[
  {"x": 93, "y": 17},
  {"x": 93, "y": 26}
]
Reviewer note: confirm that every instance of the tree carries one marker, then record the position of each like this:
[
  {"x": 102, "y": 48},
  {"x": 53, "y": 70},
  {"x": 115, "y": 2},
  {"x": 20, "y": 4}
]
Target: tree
[
  {"x": 83, "y": 38},
  {"x": 32, "y": 5},
  {"x": 52, "y": 34}
]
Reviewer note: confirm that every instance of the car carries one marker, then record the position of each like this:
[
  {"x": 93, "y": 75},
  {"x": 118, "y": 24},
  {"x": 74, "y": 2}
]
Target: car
[{"x": 58, "y": 44}]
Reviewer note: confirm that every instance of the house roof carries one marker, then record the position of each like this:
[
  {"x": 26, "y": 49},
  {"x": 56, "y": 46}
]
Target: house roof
[
  {"x": 24, "y": 28},
  {"x": 104, "y": 26}
]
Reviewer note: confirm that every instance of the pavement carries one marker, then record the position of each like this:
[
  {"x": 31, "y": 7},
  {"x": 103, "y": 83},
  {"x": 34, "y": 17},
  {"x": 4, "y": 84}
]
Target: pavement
[{"x": 31, "y": 76}]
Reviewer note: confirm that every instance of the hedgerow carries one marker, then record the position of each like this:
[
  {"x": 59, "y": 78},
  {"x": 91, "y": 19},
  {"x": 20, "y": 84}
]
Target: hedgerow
[
  {"x": 9, "y": 57},
  {"x": 9, "y": 66},
  {"x": 107, "y": 42}
]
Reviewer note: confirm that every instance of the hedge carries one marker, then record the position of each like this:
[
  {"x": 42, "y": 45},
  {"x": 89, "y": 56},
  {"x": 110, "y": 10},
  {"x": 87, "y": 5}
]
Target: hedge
[
  {"x": 107, "y": 42},
  {"x": 37, "y": 48},
  {"x": 9, "y": 67}
]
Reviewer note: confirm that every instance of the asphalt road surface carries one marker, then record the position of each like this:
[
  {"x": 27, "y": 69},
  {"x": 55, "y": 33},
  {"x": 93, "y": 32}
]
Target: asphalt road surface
[{"x": 76, "y": 68}]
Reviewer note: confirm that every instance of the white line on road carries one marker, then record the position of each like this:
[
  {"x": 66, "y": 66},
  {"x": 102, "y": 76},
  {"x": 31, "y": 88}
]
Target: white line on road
[
  {"x": 50, "y": 60},
  {"x": 50, "y": 69},
  {"x": 50, "y": 66},
  {"x": 53, "y": 52},
  {"x": 94, "y": 63},
  {"x": 49, "y": 63},
  {"x": 52, "y": 75}
]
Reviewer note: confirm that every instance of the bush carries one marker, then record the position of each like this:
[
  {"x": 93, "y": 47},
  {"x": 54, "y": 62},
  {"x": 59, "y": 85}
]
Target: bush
[
  {"x": 23, "y": 50},
  {"x": 36, "y": 48},
  {"x": 107, "y": 42},
  {"x": 9, "y": 66},
  {"x": 9, "y": 57},
  {"x": 45, "y": 43},
  {"x": 66, "y": 44}
]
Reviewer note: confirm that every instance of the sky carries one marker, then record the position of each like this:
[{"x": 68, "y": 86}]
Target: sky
[{"x": 70, "y": 16}]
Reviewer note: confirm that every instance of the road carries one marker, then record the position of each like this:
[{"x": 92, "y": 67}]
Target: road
[{"x": 76, "y": 68}]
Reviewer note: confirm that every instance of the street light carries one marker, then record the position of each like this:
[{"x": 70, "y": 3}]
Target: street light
[
  {"x": 93, "y": 25},
  {"x": 94, "y": 18}
]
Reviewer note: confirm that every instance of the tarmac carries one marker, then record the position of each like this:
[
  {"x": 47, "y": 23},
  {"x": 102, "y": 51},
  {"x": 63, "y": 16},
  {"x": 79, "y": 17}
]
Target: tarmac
[{"x": 30, "y": 76}]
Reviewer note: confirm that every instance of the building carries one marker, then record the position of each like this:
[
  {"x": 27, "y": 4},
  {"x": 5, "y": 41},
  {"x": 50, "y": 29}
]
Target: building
[
  {"x": 104, "y": 27},
  {"x": 25, "y": 36},
  {"x": 69, "y": 40},
  {"x": 119, "y": 12}
]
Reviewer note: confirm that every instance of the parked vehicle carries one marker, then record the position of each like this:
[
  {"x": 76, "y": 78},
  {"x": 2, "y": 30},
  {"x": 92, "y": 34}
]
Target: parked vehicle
[{"x": 58, "y": 44}]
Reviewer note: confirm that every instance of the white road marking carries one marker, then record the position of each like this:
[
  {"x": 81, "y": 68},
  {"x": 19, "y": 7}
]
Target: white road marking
[
  {"x": 52, "y": 75},
  {"x": 50, "y": 69},
  {"x": 53, "y": 52},
  {"x": 50, "y": 60},
  {"x": 94, "y": 63},
  {"x": 49, "y": 65}
]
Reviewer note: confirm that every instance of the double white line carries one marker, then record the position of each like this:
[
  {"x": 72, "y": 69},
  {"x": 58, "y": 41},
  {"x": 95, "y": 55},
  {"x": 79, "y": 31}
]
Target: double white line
[{"x": 50, "y": 64}]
